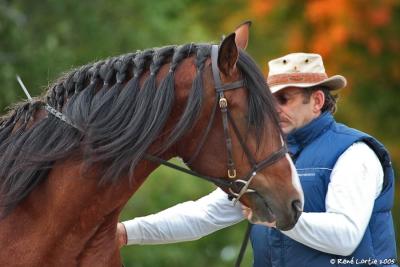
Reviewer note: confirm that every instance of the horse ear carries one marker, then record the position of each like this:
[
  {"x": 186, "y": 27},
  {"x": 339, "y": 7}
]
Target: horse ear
[
  {"x": 228, "y": 51},
  {"x": 228, "y": 55},
  {"x": 242, "y": 34}
]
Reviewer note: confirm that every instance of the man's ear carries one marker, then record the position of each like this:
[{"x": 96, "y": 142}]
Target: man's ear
[{"x": 319, "y": 100}]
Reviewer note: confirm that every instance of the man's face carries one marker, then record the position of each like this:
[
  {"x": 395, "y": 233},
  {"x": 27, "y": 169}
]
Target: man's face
[{"x": 295, "y": 109}]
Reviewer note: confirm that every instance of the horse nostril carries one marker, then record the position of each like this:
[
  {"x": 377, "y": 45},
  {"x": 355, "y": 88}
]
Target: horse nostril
[{"x": 296, "y": 205}]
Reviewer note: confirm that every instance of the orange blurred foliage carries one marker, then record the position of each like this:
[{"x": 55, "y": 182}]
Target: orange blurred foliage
[
  {"x": 380, "y": 16},
  {"x": 336, "y": 22},
  {"x": 296, "y": 40},
  {"x": 260, "y": 8},
  {"x": 374, "y": 45},
  {"x": 317, "y": 11},
  {"x": 321, "y": 44}
]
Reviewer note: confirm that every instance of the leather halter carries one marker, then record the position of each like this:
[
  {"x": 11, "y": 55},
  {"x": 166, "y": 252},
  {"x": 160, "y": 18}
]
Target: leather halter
[
  {"x": 235, "y": 187},
  {"x": 239, "y": 186}
]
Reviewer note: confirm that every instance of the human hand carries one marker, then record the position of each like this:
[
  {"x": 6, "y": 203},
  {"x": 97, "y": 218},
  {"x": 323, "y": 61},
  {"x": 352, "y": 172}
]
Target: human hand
[
  {"x": 122, "y": 238},
  {"x": 248, "y": 213}
]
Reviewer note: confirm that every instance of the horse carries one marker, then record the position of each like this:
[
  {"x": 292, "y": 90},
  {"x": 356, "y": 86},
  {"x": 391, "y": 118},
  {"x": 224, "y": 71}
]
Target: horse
[{"x": 72, "y": 158}]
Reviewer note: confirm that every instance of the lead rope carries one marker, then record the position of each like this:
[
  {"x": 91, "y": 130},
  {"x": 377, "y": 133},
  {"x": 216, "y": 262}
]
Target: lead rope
[{"x": 243, "y": 247}]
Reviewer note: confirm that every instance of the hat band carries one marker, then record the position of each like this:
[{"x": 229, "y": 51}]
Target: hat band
[{"x": 279, "y": 79}]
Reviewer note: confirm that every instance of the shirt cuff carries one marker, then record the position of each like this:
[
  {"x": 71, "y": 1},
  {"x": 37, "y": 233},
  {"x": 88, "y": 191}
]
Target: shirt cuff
[{"x": 134, "y": 235}]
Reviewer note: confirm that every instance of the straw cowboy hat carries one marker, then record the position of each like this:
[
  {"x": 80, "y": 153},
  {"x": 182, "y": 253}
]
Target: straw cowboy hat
[{"x": 301, "y": 70}]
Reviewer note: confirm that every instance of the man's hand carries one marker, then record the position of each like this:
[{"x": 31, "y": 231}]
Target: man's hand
[
  {"x": 247, "y": 213},
  {"x": 122, "y": 238}
]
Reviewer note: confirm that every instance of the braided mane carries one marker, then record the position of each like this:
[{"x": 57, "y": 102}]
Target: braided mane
[{"x": 121, "y": 115}]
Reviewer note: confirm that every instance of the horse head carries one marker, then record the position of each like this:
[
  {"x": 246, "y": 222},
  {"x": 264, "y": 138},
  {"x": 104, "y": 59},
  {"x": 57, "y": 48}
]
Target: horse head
[{"x": 245, "y": 142}]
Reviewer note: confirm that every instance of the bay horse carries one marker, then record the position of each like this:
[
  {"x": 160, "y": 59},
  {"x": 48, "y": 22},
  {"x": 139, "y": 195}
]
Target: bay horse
[{"x": 70, "y": 160}]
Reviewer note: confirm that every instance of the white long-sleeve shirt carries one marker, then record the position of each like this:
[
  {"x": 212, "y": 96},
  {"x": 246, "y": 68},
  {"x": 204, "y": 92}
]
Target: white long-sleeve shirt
[{"x": 356, "y": 181}]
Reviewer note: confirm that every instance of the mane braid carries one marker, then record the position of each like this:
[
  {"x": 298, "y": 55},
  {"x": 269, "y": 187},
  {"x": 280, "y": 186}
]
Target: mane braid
[
  {"x": 120, "y": 118},
  {"x": 194, "y": 102},
  {"x": 151, "y": 112}
]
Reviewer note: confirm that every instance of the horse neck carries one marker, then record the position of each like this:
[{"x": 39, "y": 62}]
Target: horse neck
[{"x": 71, "y": 211}]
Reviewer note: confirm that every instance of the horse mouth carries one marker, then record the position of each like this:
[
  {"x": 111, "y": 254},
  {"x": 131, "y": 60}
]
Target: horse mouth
[
  {"x": 270, "y": 217},
  {"x": 262, "y": 211},
  {"x": 269, "y": 214}
]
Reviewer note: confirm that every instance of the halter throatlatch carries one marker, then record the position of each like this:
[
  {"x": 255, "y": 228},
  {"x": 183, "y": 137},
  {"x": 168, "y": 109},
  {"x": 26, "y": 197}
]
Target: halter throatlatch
[{"x": 236, "y": 187}]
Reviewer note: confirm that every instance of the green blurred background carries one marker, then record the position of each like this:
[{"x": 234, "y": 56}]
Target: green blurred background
[{"x": 360, "y": 40}]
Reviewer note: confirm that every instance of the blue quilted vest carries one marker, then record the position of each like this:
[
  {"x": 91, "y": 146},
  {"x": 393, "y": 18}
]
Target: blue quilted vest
[{"x": 315, "y": 149}]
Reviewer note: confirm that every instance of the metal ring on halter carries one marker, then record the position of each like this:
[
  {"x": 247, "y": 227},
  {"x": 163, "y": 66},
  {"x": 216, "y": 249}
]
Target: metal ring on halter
[
  {"x": 238, "y": 195},
  {"x": 245, "y": 189}
]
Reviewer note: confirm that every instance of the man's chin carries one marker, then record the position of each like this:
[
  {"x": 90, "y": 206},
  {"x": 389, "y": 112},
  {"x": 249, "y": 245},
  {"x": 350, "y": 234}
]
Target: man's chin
[{"x": 285, "y": 127}]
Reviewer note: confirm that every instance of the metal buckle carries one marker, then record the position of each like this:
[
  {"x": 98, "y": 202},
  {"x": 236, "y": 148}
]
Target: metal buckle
[
  {"x": 223, "y": 103},
  {"x": 233, "y": 174}
]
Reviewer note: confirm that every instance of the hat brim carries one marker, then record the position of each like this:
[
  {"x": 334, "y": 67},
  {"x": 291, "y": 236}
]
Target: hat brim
[{"x": 335, "y": 82}]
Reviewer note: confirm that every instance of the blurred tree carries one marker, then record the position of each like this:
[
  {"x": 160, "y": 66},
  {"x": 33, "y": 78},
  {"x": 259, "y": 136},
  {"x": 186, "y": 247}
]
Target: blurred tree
[{"x": 357, "y": 39}]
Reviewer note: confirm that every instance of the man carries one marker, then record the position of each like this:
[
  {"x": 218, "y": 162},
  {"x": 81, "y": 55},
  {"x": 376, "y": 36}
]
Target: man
[{"x": 346, "y": 176}]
